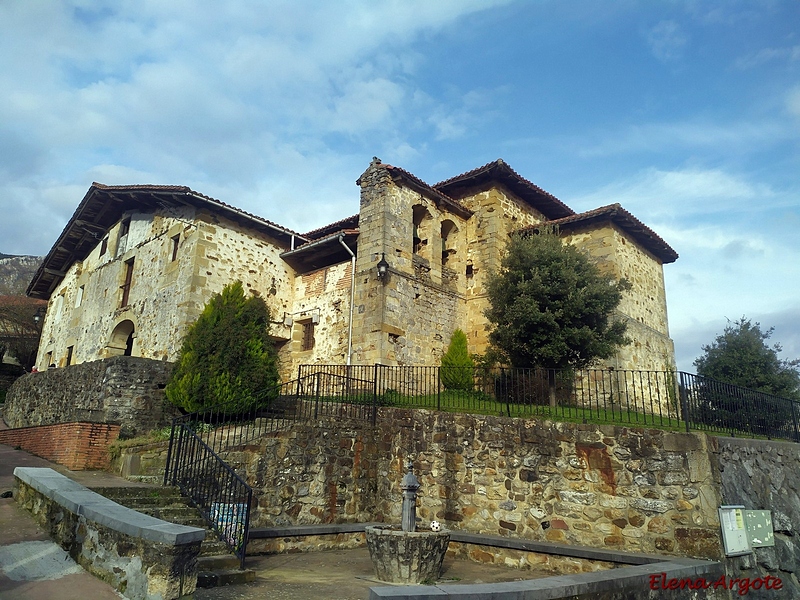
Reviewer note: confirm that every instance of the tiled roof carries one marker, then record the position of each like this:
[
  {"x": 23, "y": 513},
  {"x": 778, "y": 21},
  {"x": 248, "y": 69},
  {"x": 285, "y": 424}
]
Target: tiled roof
[
  {"x": 346, "y": 223},
  {"x": 417, "y": 184},
  {"x": 182, "y": 189},
  {"x": 21, "y": 301},
  {"x": 614, "y": 213},
  {"x": 103, "y": 206},
  {"x": 322, "y": 252},
  {"x": 499, "y": 171}
]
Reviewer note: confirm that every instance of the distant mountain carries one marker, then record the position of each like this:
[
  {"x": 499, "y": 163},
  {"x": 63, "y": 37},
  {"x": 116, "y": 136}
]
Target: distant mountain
[{"x": 16, "y": 272}]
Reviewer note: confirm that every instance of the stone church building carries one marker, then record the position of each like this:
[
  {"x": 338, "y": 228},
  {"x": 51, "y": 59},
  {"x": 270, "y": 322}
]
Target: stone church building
[{"x": 136, "y": 264}]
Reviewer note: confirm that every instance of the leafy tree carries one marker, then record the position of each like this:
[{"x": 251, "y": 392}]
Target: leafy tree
[
  {"x": 457, "y": 365},
  {"x": 19, "y": 331},
  {"x": 551, "y": 307},
  {"x": 227, "y": 356},
  {"x": 741, "y": 356}
]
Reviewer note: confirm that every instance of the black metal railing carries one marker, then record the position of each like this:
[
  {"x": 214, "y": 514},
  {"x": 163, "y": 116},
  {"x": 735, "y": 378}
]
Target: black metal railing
[
  {"x": 666, "y": 399},
  {"x": 197, "y": 441},
  {"x": 719, "y": 407},
  {"x": 222, "y": 496}
]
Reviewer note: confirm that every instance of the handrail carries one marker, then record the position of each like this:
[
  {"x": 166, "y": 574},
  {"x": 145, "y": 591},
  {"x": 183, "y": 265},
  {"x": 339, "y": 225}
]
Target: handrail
[{"x": 219, "y": 493}]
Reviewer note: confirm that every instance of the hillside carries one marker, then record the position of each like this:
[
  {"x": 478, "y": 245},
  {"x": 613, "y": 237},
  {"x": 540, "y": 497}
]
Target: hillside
[{"x": 16, "y": 273}]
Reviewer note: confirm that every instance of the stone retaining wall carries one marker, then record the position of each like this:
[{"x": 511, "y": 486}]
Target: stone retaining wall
[
  {"x": 765, "y": 475},
  {"x": 142, "y": 557},
  {"x": 123, "y": 390},
  {"x": 77, "y": 446},
  {"x": 603, "y": 486}
]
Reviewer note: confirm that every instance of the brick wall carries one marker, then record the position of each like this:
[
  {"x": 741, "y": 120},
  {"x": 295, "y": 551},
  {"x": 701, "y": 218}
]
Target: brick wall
[{"x": 77, "y": 446}]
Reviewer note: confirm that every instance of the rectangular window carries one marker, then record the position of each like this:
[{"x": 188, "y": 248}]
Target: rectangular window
[
  {"x": 103, "y": 246},
  {"x": 69, "y": 356},
  {"x": 79, "y": 296},
  {"x": 125, "y": 227},
  {"x": 126, "y": 287},
  {"x": 308, "y": 335},
  {"x": 175, "y": 241},
  {"x": 48, "y": 359}
]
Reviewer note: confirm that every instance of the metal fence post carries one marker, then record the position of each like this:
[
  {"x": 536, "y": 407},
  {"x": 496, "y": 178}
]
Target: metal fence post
[
  {"x": 438, "y": 388},
  {"x": 169, "y": 452},
  {"x": 316, "y": 401},
  {"x": 684, "y": 399},
  {"x": 375, "y": 393},
  {"x": 796, "y": 431}
]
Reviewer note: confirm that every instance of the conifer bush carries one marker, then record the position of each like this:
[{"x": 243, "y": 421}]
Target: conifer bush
[
  {"x": 457, "y": 365},
  {"x": 227, "y": 357}
]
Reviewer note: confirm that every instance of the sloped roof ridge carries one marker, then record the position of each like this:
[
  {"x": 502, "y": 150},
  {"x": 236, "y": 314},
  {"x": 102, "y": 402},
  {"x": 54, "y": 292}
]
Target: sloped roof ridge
[
  {"x": 187, "y": 190},
  {"x": 426, "y": 186},
  {"x": 336, "y": 224},
  {"x": 471, "y": 172},
  {"x": 497, "y": 163},
  {"x": 502, "y": 167},
  {"x": 655, "y": 243}
]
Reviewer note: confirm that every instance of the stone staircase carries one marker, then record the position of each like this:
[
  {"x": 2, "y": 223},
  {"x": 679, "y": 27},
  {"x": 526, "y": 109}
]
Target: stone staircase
[{"x": 216, "y": 565}]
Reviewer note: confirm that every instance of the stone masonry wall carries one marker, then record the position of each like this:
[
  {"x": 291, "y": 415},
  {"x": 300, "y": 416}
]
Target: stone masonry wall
[
  {"x": 613, "y": 487},
  {"x": 765, "y": 475},
  {"x": 166, "y": 295},
  {"x": 323, "y": 295},
  {"x": 123, "y": 390},
  {"x": 644, "y": 307}
]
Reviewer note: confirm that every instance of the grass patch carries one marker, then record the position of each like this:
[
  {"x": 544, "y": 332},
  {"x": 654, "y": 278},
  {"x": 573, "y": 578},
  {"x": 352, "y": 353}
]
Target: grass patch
[{"x": 152, "y": 437}]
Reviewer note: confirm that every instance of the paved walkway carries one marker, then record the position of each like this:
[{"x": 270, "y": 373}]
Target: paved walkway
[{"x": 34, "y": 568}]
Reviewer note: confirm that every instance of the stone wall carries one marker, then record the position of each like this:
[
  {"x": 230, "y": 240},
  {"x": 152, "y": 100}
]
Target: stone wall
[
  {"x": 323, "y": 298},
  {"x": 609, "y": 487},
  {"x": 765, "y": 475},
  {"x": 77, "y": 446},
  {"x": 166, "y": 295},
  {"x": 142, "y": 557},
  {"x": 644, "y": 307},
  {"x": 124, "y": 390}
]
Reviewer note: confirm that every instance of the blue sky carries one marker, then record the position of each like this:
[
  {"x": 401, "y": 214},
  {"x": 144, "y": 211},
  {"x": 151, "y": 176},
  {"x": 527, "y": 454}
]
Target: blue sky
[{"x": 685, "y": 112}]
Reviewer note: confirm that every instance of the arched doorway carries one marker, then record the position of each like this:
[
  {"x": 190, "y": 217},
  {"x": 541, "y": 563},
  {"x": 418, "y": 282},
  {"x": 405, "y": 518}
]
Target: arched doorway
[{"x": 121, "y": 343}]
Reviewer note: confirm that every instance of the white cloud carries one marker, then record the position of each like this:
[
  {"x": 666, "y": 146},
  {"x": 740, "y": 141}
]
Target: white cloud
[
  {"x": 237, "y": 99},
  {"x": 740, "y": 136},
  {"x": 767, "y": 55},
  {"x": 793, "y": 101},
  {"x": 667, "y": 40},
  {"x": 664, "y": 195}
]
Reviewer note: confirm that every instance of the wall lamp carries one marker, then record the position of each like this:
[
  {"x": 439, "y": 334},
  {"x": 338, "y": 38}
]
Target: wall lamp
[{"x": 383, "y": 267}]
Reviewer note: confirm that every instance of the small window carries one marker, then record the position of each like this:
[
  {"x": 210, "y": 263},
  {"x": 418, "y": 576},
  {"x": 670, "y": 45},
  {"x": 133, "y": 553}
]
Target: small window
[
  {"x": 69, "y": 356},
  {"x": 48, "y": 359},
  {"x": 175, "y": 242},
  {"x": 125, "y": 226},
  {"x": 79, "y": 296},
  {"x": 104, "y": 246},
  {"x": 126, "y": 287},
  {"x": 308, "y": 336},
  {"x": 469, "y": 271}
]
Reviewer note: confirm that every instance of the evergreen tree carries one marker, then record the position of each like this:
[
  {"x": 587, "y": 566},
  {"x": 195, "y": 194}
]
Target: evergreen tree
[
  {"x": 457, "y": 365},
  {"x": 551, "y": 307},
  {"x": 227, "y": 356},
  {"x": 741, "y": 356}
]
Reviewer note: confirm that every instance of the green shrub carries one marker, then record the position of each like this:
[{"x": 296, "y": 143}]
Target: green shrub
[
  {"x": 457, "y": 369},
  {"x": 227, "y": 357}
]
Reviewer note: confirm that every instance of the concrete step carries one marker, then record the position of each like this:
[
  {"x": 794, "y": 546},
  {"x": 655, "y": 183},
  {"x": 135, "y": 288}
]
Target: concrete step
[
  {"x": 217, "y": 566},
  {"x": 214, "y": 547},
  {"x": 209, "y": 579},
  {"x": 216, "y": 562}
]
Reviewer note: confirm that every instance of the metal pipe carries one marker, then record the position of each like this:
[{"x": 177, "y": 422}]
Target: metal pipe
[{"x": 352, "y": 298}]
